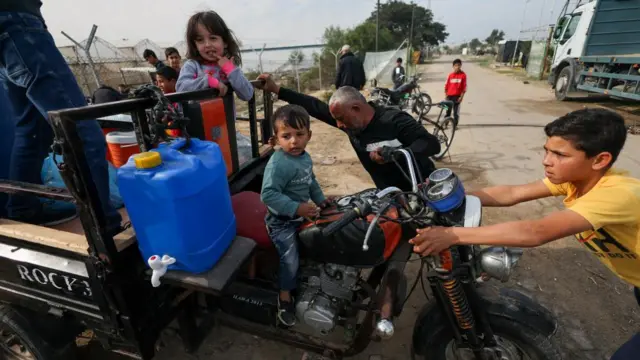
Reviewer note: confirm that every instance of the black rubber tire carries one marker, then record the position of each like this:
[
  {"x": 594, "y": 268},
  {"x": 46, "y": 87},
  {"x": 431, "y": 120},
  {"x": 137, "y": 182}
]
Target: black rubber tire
[
  {"x": 536, "y": 346},
  {"x": 43, "y": 347},
  {"x": 425, "y": 101},
  {"x": 448, "y": 123},
  {"x": 563, "y": 94}
]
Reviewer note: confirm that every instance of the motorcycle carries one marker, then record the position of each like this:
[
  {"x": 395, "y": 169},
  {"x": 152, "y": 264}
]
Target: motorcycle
[
  {"x": 352, "y": 283},
  {"x": 407, "y": 96}
]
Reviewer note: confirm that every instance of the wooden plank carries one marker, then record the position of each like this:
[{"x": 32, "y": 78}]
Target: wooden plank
[
  {"x": 66, "y": 236},
  {"x": 45, "y": 236}
]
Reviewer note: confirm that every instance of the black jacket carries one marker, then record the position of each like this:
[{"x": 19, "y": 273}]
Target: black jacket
[
  {"x": 24, "y": 6},
  {"x": 396, "y": 77},
  {"x": 389, "y": 127},
  {"x": 350, "y": 72}
]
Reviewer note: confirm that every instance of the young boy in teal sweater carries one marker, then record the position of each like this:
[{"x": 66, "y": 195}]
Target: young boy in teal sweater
[{"x": 287, "y": 187}]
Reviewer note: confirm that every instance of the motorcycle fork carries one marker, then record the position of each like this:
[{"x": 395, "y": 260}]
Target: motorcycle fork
[{"x": 461, "y": 304}]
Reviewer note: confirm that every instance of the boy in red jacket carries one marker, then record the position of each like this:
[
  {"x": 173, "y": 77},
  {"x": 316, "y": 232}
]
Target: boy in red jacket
[{"x": 455, "y": 88}]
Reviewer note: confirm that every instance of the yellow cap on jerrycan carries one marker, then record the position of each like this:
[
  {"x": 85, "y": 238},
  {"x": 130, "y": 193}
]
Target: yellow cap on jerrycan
[{"x": 147, "y": 160}]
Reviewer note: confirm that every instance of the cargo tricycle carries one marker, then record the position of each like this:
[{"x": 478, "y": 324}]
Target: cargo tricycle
[{"x": 56, "y": 283}]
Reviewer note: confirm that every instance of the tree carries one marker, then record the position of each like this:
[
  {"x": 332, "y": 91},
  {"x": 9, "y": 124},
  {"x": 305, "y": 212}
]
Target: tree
[
  {"x": 333, "y": 38},
  {"x": 396, "y": 17},
  {"x": 474, "y": 44},
  {"x": 296, "y": 57},
  {"x": 495, "y": 37},
  {"x": 362, "y": 38}
]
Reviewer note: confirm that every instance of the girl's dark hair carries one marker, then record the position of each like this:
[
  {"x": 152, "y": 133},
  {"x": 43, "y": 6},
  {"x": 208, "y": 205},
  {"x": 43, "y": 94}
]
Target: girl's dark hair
[
  {"x": 214, "y": 23},
  {"x": 591, "y": 130},
  {"x": 292, "y": 115}
]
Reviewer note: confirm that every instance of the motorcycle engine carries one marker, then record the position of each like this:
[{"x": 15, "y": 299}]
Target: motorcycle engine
[{"x": 324, "y": 296}]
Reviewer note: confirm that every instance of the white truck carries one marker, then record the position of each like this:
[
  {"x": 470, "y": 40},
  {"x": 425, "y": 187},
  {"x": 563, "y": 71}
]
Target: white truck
[{"x": 597, "y": 50}]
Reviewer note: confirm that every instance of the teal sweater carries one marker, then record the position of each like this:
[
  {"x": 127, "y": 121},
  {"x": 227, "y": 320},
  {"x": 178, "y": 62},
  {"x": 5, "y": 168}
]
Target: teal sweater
[{"x": 288, "y": 181}]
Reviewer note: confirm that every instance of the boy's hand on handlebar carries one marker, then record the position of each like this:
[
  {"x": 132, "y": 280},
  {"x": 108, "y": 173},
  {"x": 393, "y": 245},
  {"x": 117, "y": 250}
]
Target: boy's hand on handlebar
[
  {"x": 307, "y": 210},
  {"x": 431, "y": 241},
  {"x": 327, "y": 202}
]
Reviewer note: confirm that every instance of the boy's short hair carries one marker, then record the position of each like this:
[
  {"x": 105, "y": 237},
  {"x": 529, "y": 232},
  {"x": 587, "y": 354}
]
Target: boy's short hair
[
  {"x": 591, "y": 130},
  {"x": 399, "y": 60},
  {"x": 457, "y": 62},
  {"x": 294, "y": 116},
  {"x": 148, "y": 53},
  {"x": 168, "y": 73},
  {"x": 169, "y": 51}
]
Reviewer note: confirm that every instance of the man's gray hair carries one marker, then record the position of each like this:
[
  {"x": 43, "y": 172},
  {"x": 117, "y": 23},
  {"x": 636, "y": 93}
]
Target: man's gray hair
[
  {"x": 346, "y": 95},
  {"x": 345, "y": 48}
]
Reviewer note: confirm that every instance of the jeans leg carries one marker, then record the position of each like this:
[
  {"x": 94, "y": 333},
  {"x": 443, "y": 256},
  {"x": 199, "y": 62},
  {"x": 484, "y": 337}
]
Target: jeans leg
[
  {"x": 449, "y": 109},
  {"x": 283, "y": 235},
  {"x": 32, "y": 139},
  {"x": 37, "y": 66},
  {"x": 456, "y": 111},
  {"x": 628, "y": 350}
]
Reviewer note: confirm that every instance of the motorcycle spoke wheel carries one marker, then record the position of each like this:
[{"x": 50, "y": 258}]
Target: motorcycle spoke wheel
[
  {"x": 505, "y": 350},
  {"x": 422, "y": 105},
  {"x": 444, "y": 132}
]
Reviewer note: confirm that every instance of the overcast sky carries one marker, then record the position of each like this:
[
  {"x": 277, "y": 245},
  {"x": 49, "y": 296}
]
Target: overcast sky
[{"x": 277, "y": 22}]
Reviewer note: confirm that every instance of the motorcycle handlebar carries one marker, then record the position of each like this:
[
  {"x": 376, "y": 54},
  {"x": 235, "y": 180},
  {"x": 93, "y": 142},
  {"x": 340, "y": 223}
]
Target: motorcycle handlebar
[{"x": 362, "y": 209}]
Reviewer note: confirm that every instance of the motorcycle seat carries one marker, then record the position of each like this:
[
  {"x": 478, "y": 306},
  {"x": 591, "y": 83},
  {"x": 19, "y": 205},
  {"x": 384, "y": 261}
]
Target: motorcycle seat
[{"x": 250, "y": 214}]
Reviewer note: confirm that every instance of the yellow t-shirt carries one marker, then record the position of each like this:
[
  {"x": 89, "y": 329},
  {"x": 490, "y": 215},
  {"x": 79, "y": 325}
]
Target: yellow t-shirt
[{"x": 613, "y": 209}]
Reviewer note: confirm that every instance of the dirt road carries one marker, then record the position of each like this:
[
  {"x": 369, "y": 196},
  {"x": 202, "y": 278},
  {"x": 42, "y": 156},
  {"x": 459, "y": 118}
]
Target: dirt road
[{"x": 500, "y": 141}]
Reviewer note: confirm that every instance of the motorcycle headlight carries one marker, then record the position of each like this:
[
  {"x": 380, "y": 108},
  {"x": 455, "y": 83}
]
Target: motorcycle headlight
[{"x": 498, "y": 262}]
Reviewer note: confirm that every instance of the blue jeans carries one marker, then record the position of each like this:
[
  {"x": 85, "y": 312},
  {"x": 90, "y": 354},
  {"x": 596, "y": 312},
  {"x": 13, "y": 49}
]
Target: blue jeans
[
  {"x": 284, "y": 237},
  {"x": 37, "y": 79},
  {"x": 631, "y": 349}
]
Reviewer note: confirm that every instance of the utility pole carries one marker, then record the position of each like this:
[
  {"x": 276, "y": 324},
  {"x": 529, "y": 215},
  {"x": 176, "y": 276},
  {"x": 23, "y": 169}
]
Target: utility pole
[
  {"x": 377, "y": 24},
  {"x": 524, "y": 14},
  {"x": 86, "y": 48},
  {"x": 413, "y": 11}
]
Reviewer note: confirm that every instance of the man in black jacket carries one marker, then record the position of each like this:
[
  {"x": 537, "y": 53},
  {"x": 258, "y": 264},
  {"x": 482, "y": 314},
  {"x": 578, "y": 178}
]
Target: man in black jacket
[
  {"x": 350, "y": 70},
  {"x": 369, "y": 128}
]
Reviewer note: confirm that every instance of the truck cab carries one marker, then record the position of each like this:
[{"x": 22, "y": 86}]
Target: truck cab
[{"x": 597, "y": 49}]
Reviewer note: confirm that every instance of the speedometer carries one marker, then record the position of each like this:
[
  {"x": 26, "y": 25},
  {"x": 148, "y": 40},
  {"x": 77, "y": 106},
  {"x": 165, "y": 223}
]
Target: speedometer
[{"x": 440, "y": 175}]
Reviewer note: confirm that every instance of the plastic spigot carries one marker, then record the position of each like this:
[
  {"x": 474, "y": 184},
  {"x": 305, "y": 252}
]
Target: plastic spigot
[{"x": 159, "y": 267}]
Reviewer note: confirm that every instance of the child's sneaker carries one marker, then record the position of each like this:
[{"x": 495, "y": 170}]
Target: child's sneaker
[{"x": 286, "y": 312}]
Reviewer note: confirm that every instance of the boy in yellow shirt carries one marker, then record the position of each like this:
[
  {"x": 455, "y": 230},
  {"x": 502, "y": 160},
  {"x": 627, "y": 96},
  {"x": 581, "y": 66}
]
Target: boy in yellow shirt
[{"x": 603, "y": 204}]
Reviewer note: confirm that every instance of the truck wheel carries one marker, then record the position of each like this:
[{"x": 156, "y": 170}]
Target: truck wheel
[
  {"x": 20, "y": 340},
  {"x": 563, "y": 83}
]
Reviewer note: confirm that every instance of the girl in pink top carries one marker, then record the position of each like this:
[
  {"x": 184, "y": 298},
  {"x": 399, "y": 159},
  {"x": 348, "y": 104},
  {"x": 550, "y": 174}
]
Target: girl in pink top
[{"x": 214, "y": 60}]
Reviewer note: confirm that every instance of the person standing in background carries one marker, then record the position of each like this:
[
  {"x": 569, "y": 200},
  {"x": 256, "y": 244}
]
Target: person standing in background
[
  {"x": 173, "y": 58},
  {"x": 350, "y": 70},
  {"x": 37, "y": 79},
  {"x": 455, "y": 88},
  {"x": 397, "y": 75},
  {"x": 150, "y": 57}
]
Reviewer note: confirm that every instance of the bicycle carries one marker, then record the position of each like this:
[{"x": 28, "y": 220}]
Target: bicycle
[{"x": 440, "y": 128}]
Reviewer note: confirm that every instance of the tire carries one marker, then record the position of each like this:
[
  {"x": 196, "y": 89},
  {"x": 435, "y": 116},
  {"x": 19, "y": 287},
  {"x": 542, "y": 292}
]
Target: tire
[
  {"x": 29, "y": 341},
  {"x": 438, "y": 339},
  {"x": 563, "y": 84},
  {"x": 422, "y": 103},
  {"x": 445, "y": 132}
]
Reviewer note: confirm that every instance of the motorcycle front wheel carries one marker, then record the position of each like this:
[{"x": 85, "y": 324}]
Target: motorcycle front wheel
[
  {"x": 422, "y": 104},
  {"x": 514, "y": 342}
]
